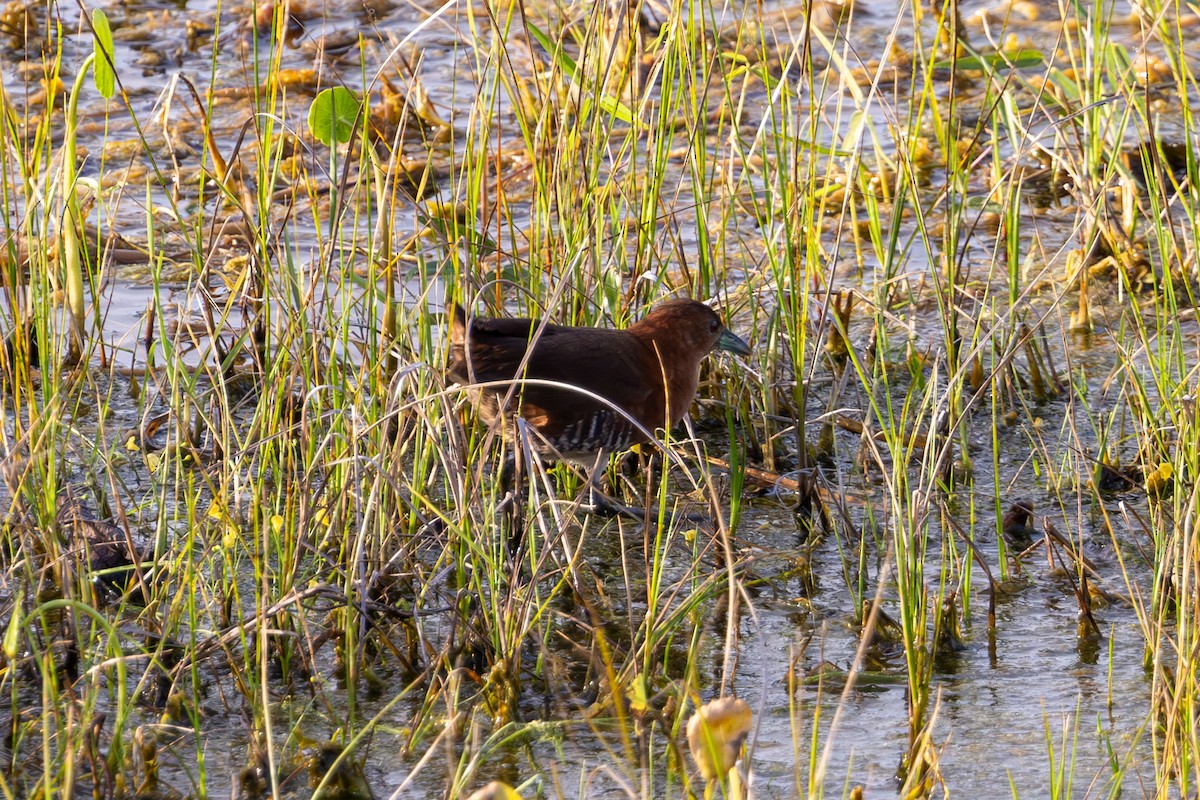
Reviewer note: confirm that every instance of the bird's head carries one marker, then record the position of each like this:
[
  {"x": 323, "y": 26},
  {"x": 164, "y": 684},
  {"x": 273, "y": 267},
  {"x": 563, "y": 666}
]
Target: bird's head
[{"x": 690, "y": 326}]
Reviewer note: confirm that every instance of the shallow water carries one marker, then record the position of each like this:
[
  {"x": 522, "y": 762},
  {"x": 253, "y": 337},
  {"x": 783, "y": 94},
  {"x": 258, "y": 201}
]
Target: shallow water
[{"x": 1002, "y": 706}]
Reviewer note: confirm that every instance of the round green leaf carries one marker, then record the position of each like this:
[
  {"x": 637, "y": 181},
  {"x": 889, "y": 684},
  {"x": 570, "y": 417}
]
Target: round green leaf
[{"x": 332, "y": 115}]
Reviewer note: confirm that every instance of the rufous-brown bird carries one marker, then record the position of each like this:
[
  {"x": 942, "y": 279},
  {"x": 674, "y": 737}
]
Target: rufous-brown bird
[
  {"x": 650, "y": 371},
  {"x": 1017, "y": 524}
]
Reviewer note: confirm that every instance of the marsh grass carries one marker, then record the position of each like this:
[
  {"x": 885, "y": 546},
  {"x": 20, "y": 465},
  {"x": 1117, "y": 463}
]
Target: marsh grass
[{"x": 327, "y": 574}]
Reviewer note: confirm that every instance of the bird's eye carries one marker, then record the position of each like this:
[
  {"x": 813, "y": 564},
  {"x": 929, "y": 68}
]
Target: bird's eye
[{"x": 714, "y": 326}]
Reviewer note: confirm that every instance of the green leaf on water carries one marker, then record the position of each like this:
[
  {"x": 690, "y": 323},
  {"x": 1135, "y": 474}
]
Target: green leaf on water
[
  {"x": 1068, "y": 85},
  {"x": 567, "y": 64},
  {"x": 990, "y": 62},
  {"x": 618, "y": 109},
  {"x": 333, "y": 114},
  {"x": 824, "y": 150},
  {"x": 102, "y": 46}
]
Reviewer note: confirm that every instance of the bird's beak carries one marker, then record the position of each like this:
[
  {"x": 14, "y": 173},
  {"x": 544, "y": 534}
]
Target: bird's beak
[{"x": 730, "y": 342}]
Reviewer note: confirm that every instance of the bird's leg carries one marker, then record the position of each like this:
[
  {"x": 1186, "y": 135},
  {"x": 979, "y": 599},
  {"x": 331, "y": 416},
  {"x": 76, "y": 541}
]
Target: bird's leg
[
  {"x": 508, "y": 480},
  {"x": 510, "y": 504},
  {"x": 602, "y": 505},
  {"x": 596, "y": 501}
]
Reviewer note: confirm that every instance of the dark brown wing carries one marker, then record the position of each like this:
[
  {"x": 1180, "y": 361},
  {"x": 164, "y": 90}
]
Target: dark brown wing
[
  {"x": 611, "y": 363},
  {"x": 497, "y": 346}
]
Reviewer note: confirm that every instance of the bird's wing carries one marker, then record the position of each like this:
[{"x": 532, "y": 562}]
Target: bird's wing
[
  {"x": 610, "y": 363},
  {"x": 497, "y": 346}
]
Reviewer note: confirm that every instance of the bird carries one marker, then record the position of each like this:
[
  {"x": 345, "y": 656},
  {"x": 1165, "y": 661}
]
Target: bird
[
  {"x": 1017, "y": 524},
  {"x": 648, "y": 373}
]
